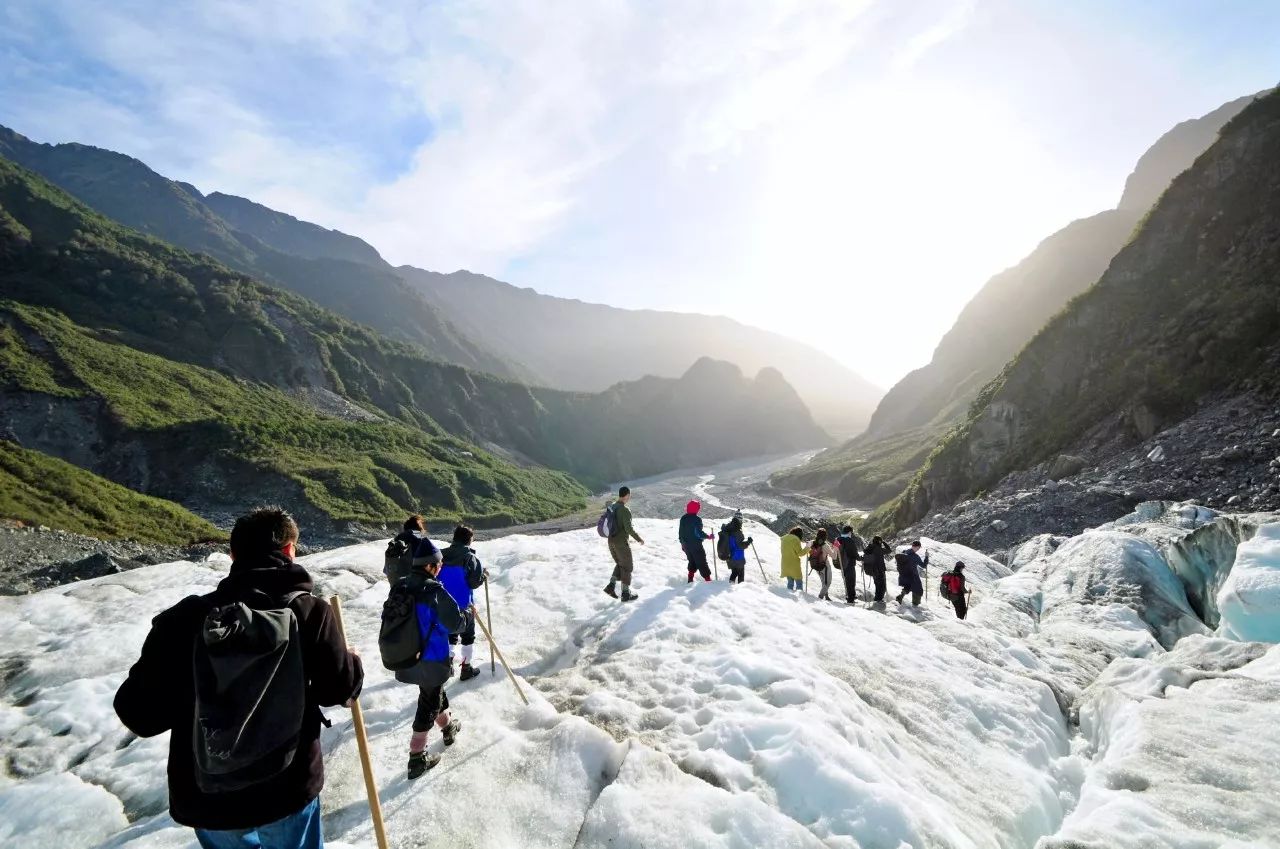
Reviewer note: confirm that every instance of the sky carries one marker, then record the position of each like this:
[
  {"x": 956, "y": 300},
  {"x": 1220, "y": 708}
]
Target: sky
[{"x": 847, "y": 172}]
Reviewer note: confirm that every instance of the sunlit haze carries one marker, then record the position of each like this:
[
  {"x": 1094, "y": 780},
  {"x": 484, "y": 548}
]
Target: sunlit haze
[{"x": 847, "y": 173}]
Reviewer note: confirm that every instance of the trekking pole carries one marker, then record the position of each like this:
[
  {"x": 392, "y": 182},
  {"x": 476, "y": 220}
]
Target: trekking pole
[
  {"x": 488, "y": 614},
  {"x": 362, "y": 742},
  {"x": 715, "y": 556},
  {"x": 498, "y": 652},
  {"x": 763, "y": 576}
]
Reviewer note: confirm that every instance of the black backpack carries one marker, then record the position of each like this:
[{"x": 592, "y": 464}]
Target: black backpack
[
  {"x": 902, "y": 561},
  {"x": 250, "y": 693},
  {"x": 398, "y": 560},
  {"x": 722, "y": 544},
  {"x": 399, "y": 639}
]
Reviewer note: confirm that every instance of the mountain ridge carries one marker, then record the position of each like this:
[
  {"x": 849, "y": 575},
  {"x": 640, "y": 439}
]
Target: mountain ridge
[
  {"x": 1186, "y": 309},
  {"x": 918, "y": 412}
]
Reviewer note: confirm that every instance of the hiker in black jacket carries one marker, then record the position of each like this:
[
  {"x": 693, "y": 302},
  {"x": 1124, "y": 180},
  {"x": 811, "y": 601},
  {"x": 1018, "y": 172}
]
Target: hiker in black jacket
[
  {"x": 955, "y": 589},
  {"x": 691, "y": 536},
  {"x": 873, "y": 564},
  {"x": 159, "y": 694},
  {"x": 399, "y": 555},
  {"x": 847, "y": 544},
  {"x": 910, "y": 572}
]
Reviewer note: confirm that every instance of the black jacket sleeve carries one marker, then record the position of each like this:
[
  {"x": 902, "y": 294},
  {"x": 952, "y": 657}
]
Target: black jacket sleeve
[
  {"x": 451, "y": 618},
  {"x": 475, "y": 572},
  {"x": 334, "y": 672},
  {"x": 145, "y": 702}
]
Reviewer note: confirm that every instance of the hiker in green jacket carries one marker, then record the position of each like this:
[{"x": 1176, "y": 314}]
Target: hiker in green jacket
[{"x": 620, "y": 546}]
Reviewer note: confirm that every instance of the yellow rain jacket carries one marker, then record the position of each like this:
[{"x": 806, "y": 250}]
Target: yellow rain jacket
[{"x": 793, "y": 549}]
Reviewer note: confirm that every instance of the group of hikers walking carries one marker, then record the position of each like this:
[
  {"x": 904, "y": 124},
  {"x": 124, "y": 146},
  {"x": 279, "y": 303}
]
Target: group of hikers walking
[
  {"x": 240, "y": 676},
  {"x": 823, "y": 557}
]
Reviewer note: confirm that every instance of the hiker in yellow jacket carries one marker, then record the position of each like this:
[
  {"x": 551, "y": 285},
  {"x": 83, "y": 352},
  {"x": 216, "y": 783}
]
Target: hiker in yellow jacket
[{"x": 793, "y": 551}]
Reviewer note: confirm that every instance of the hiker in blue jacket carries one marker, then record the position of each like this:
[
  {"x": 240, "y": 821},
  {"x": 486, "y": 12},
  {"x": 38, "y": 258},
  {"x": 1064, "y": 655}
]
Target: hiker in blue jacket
[
  {"x": 691, "y": 538},
  {"x": 739, "y": 542},
  {"x": 910, "y": 566},
  {"x": 461, "y": 574},
  {"x": 439, "y": 619}
]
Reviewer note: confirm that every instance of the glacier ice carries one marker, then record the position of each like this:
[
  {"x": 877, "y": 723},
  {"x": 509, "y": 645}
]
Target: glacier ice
[
  {"x": 719, "y": 716},
  {"x": 1249, "y": 600}
]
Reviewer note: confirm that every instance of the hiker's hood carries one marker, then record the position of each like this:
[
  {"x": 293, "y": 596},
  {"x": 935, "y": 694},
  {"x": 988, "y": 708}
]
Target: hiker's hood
[
  {"x": 692, "y": 508},
  {"x": 273, "y": 574}
]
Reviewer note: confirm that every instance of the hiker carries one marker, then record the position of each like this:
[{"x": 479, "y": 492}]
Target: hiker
[
  {"x": 691, "y": 537},
  {"x": 398, "y": 559},
  {"x": 953, "y": 590},
  {"x": 461, "y": 574},
  {"x": 240, "y": 776},
  {"x": 822, "y": 559},
  {"x": 873, "y": 564},
  {"x": 847, "y": 545},
  {"x": 620, "y": 535},
  {"x": 432, "y": 620},
  {"x": 910, "y": 566},
  {"x": 734, "y": 544},
  {"x": 792, "y": 550}
]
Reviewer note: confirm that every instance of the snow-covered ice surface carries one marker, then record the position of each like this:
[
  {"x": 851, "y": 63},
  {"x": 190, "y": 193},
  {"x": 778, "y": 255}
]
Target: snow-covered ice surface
[
  {"x": 1250, "y": 597},
  {"x": 720, "y": 716}
]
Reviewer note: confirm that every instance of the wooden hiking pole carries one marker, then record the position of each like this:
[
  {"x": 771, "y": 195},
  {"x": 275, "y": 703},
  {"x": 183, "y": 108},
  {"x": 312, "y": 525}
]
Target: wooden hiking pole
[
  {"x": 498, "y": 652},
  {"x": 488, "y": 614},
  {"x": 362, "y": 742},
  {"x": 763, "y": 576}
]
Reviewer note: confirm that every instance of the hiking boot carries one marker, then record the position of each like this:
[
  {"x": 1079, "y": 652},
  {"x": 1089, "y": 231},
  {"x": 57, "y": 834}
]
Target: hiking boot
[
  {"x": 420, "y": 762},
  {"x": 450, "y": 731},
  {"x": 609, "y": 591},
  {"x": 468, "y": 672},
  {"x": 628, "y": 595}
]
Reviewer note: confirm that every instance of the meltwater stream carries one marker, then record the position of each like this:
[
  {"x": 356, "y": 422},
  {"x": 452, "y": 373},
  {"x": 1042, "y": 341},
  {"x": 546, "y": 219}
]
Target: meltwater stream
[{"x": 726, "y": 487}]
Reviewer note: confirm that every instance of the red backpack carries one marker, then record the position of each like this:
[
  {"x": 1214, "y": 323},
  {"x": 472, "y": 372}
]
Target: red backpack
[{"x": 951, "y": 584}]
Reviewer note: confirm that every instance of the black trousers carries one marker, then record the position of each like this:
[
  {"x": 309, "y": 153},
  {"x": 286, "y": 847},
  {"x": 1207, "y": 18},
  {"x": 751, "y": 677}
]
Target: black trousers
[
  {"x": 697, "y": 557},
  {"x": 850, "y": 583},
  {"x": 432, "y": 701},
  {"x": 736, "y": 571},
  {"x": 878, "y": 577},
  {"x": 961, "y": 604},
  {"x": 468, "y": 633}
]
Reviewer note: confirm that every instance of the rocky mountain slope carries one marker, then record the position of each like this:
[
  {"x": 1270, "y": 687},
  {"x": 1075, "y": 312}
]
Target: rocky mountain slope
[
  {"x": 577, "y": 345},
  {"x": 175, "y": 376},
  {"x": 1187, "y": 311},
  {"x": 352, "y": 281},
  {"x": 919, "y": 410}
]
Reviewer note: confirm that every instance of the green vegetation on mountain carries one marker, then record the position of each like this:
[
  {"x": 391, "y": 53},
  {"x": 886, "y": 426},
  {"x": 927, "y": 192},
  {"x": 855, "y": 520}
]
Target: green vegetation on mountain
[
  {"x": 40, "y": 490},
  {"x": 1189, "y": 307},
  {"x": 167, "y": 372},
  {"x": 127, "y": 191},
  {"x": 237, "y": 434},
  {"x": 1006, "y": 313}
]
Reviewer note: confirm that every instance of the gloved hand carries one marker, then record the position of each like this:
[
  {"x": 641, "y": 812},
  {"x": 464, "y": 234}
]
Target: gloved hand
[{"x": 748, "y": 542}]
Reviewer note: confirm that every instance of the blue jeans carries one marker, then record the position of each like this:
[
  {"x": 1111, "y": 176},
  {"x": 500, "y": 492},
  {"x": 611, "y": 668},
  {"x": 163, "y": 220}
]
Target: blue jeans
[
  {"x": 795, "y": 583},
  {"x": 296, "y": 831}
]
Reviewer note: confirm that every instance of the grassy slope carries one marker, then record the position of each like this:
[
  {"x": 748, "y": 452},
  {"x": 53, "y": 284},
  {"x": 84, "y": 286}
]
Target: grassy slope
[
  {"x": 38, "y": 489},
  {"x": 350, "y": 471}
]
